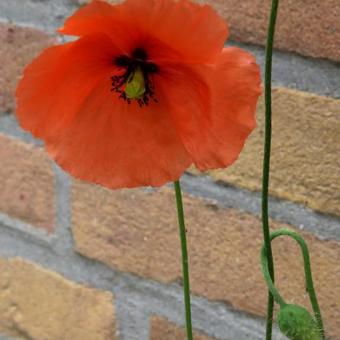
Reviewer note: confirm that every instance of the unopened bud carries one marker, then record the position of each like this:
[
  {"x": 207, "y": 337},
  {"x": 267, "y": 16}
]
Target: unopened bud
[{"x": 297, "y": 324}]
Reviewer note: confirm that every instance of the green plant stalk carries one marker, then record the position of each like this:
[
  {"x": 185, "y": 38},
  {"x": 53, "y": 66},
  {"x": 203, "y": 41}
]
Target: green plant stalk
[
  {"x": 276, "y": 295},
  {"x": 308, "y": 274},
  {"x": 185, "y": 262},
  {"x": 266, "y": 161}
]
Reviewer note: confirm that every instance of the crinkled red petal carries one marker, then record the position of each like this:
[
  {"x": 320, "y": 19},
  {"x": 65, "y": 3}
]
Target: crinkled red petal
[
  {"x": 181, "y": 25},
  {"x": 214, "y": 110},
  {"x": 118, "y": 145},
  {"x": 56, "y": 83}
]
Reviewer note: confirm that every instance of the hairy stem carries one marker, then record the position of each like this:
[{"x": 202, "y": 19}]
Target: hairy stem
[
  {"x": 308, "y": 274},
  {"x": 276, "y": 295},
  {"x": 266, "y": 161},
  {"x": 185, "y": 262}
]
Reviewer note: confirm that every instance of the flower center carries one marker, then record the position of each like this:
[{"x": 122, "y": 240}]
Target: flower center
[
  {"x": 135, "y": 86},
  {"x": 136, "y": 81}
]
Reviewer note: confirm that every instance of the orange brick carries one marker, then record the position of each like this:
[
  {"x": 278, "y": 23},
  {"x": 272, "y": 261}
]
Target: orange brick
[
  {"x": 27, "y": 183},
  {"x": 161, "y": 329},
  {"x": 137, "y": 232},
  {"x": 311, "y": 28},
  {"x": 18, "y": 47}
]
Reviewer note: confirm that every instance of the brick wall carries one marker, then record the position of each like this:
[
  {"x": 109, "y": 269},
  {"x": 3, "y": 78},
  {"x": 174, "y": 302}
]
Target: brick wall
[{"x": 78, "y": 261}]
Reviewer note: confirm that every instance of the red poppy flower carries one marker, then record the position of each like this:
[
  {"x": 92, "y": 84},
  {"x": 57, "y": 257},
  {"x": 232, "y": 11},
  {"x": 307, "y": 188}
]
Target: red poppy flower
[{"x": 146, "y": 90}]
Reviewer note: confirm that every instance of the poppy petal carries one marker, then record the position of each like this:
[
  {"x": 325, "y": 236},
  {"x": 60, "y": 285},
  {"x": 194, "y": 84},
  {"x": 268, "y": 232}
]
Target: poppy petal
[
  {"x": 96, "y": 16},
  {"x": 118, "y": 145},
  {"x": 234, "y": 88},
  {"x": 181, "y": 24},
  {"x": 56, "y": 83},
  {"x": 178, "y": 24},
  {"x": 189, "y": 94}
]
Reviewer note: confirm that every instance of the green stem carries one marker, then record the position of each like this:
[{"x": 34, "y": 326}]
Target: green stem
[
  {"x": 308, "y": 274},
  {"x": 276, "y": 295},
  {"x": 185, "y": 262},
  {"x": 266, "y": 161}
]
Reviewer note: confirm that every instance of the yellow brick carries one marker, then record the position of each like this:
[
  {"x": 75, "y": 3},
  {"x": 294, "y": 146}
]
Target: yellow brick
[
  {"x": 41, "y": 305},
  {"x": 162, "y": 329},
  {"x": 27, "y": 183},
  {"x": 134, "y": 231},
  {"x": 305, "y": 163}
]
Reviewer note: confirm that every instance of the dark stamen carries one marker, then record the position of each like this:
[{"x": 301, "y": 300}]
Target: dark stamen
[
  {"x": 138, "y": 59},
  {"x": 122, "y": 61},
  {"x": 150, "y": 68},
  {"x": 139, "y": 54}
]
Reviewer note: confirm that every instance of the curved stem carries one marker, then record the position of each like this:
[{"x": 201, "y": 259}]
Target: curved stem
[
  {"x": 185, "y": 263},
  {"x": 266, "y": 161},
  {"x": 276, "y": 295},
  {"x": 308, "y": 274}
]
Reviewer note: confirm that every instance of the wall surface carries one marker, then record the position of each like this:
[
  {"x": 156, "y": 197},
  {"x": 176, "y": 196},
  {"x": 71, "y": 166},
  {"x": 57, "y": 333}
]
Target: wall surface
[{"x": 78, "y": 261}]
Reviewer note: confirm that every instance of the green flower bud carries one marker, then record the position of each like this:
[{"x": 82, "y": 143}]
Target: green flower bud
[
  {"x": 297, "y": 324},
  {"x": 135, "y": 87}
]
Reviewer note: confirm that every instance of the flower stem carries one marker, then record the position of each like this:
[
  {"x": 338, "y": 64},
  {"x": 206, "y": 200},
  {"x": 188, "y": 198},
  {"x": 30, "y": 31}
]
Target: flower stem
[
  {"x": 276, "y": 295},
  {"x": 185, "y": 262},
  {"x": 308, "y": 274},
  {"x": 266, "y": 161}
]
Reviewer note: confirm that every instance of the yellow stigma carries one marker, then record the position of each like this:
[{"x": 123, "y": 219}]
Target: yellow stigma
[{"x": 135, "y": 87}]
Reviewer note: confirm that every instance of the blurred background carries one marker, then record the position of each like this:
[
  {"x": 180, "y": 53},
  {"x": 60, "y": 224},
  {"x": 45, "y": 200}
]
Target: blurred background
[{"x": 78, "y": 261}]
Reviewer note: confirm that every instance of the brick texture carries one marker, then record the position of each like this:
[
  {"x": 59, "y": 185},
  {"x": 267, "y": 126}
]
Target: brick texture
[
  {"x": 305, "y": 154},
  {"x": 136, "y": 231},
  {"x": 27, "y": 183},
  {"x": 18, "y": 47},
  {"x": 38, "y": 304},
  {"x": 310, "y": 28},
  {"x": 161, "y": 329}
]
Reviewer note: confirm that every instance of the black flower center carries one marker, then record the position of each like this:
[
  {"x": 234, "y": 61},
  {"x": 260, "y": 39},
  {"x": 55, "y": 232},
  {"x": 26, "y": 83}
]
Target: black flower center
[
  {"x": 136, "y": 81},
  {"x": 139, "y": 54}
]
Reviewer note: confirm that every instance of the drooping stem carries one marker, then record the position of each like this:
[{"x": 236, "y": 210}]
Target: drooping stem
[
  {"x": 266, "y": 161},
  {"x": 185, "y": 262},
  {"x": 276, "y": 295},
  {"x": 308, "y": 274}
]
